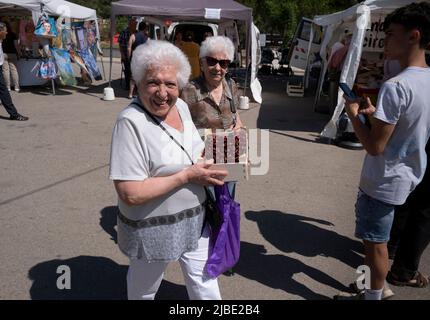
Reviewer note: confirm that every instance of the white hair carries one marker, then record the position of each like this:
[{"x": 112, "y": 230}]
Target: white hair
[
  {"x": 156, "y": 54},
  {"x": 218, "y": 44}
]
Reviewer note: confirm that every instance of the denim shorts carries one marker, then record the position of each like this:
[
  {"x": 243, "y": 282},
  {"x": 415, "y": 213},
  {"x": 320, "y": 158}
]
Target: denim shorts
[{"x": 374, "y": 219}]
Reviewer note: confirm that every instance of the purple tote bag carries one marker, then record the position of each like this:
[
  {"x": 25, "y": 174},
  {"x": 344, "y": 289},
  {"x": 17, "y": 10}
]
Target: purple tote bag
[{"x": 225, "y": 241}]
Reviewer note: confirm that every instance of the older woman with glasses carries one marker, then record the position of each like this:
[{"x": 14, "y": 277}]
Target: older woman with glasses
[
  {"x": 161, "y": 195},
  {"x": 213, "y": 97}
]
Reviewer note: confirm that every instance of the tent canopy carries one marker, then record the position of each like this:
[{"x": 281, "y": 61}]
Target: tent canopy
[
  {"x": 193, "y": 10},
  {"x": 351, "y": 13},
  {"x": 52, "y": 7}
]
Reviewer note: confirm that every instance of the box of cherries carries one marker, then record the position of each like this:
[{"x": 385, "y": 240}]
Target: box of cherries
[{"x": 229, "y": 151}]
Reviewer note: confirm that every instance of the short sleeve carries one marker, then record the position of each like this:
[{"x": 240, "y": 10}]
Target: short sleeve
[
  {"x": 189, "y": 94},
  {"x": 391, "y": 103},
  {"x": 236, "y": 94},
  {"x": 129, "y": 157}
]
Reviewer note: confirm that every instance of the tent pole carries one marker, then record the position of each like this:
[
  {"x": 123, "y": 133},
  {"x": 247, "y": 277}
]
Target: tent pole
[
  {"x": 103, "y": 66},
  {"x": 247, "y": 43},
  {"x": 110, "y": 54}
]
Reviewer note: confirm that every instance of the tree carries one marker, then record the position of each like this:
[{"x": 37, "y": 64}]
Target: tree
[
  {"x": 101, "y": 6},
  {"x": 282, "y": 16}
]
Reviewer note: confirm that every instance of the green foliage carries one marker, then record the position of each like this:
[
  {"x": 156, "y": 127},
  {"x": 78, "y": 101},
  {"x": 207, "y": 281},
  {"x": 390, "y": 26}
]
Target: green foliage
[
  {"x": 101, "y": 6},
  {"x": 281, "y": 16}
]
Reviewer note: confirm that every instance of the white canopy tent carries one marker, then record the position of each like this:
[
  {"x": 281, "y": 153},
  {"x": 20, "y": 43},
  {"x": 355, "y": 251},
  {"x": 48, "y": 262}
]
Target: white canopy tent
[
  {"x": 218, "y": 12},
  {"x": 57, "y": 8},
  {"x": 357, "y": 20}
]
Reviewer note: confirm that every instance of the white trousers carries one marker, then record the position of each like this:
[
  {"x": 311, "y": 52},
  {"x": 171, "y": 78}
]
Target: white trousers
[{"x": 144, "y": 278}]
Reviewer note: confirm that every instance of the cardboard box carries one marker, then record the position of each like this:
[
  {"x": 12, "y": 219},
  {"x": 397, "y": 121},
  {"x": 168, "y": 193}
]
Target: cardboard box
[{"x": 229, "y": 151}]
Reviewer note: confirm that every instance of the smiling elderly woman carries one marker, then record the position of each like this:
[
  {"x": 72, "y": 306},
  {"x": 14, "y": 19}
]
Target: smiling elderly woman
[{"x": 161, "y": 194}]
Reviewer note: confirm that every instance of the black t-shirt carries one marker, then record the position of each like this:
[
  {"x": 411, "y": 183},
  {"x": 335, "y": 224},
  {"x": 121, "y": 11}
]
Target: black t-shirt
[{"x": 8, "y": 43}]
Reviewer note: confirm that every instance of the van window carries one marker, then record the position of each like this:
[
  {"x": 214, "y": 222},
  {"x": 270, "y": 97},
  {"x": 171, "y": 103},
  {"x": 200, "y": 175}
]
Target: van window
[
  {"x": 305, "y": 33},
  {"x": 198, "y": 30}
]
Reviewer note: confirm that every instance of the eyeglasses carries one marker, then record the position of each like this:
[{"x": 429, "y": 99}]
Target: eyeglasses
[{"x": 222, "y": 63}]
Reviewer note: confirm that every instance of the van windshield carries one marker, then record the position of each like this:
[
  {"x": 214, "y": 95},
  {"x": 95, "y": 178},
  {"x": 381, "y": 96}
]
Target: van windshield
[
  {"x": 305, "y": 33},
  {"x": 199, "y": 31}
]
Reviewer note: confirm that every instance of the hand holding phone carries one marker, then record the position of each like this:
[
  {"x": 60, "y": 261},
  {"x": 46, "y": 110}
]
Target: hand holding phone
[{"x": 352, "y": 106}]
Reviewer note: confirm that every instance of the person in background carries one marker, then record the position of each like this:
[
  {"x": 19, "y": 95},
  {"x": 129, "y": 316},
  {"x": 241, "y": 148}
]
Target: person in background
[
  {"x": 191, "y": 50},
  {"x": 161, "y": 197},
  {"x": 11, "y": 55},
  {"x": 178, "y": 39},
  {"x": 336, "y": 46},
  {"x": 123, "y": 39},
  {"x": 207, "y": 34},
  {"x": 135, "y": 40},
  {"x": 334, "y": 70},
  {"x": 5, "y": 97},
  {"x": 410, "y": 235}
]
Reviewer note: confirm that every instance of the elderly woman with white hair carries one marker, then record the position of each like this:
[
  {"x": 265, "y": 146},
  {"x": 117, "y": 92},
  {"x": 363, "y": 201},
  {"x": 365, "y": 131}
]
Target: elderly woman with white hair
[
  {"x": 212, "y": 98},
  {"x": 161, "y": 195}
]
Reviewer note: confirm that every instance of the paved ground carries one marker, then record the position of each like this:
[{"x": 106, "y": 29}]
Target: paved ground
[{"x": 57, "y": 205}]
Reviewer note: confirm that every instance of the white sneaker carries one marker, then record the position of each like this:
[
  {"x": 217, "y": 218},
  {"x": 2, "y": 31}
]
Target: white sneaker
[
  {"x": 387, "y": 293},
  {"x": 349, "y": 296},
  {"x": 17, "y": 90}
]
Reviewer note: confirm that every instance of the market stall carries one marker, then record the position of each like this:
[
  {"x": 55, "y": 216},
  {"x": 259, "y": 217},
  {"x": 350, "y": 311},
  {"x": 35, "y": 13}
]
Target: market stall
[
  {"x": 363, "y": 66},
  {"x": 73, "y": 36}
]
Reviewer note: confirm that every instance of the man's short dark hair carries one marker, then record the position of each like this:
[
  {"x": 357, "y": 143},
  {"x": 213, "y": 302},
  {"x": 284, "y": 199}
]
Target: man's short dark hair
[
  {"x": 413, "y": 16},
  {"x": 142, "y": 26}
]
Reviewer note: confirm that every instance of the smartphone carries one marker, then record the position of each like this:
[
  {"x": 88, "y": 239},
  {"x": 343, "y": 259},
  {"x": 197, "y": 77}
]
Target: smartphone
[{"x": 348, "y": 92}]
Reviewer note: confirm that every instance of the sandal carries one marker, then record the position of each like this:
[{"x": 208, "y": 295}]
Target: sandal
[{"x": 417, "y": 281}]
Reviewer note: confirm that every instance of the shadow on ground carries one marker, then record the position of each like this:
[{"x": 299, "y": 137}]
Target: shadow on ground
[
  {"x": 92, "y": 278},
  {"x": 293, "y": 233},
  {"x": 277, "y": 271}
]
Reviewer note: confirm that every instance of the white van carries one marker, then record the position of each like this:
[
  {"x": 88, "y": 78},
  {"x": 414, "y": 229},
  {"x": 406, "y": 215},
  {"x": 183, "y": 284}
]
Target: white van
[
  {"x": 168, "y": 32},
  {"x": 297, "y": 54}
]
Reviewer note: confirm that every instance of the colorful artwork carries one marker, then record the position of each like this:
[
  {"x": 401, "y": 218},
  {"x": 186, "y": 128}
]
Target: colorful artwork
[
  {"x": 46, "y": 27},
  {"x": 90, "y": 63},
  {"x": 65, "y": 70},
  {"x": 45, "y": 69}
]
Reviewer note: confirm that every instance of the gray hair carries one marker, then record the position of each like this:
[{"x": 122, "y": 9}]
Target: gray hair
[
  {"x": 155, "y": 54},
  {"x": 2, "y": 26},
  {"x": 218, "y": 44}
]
